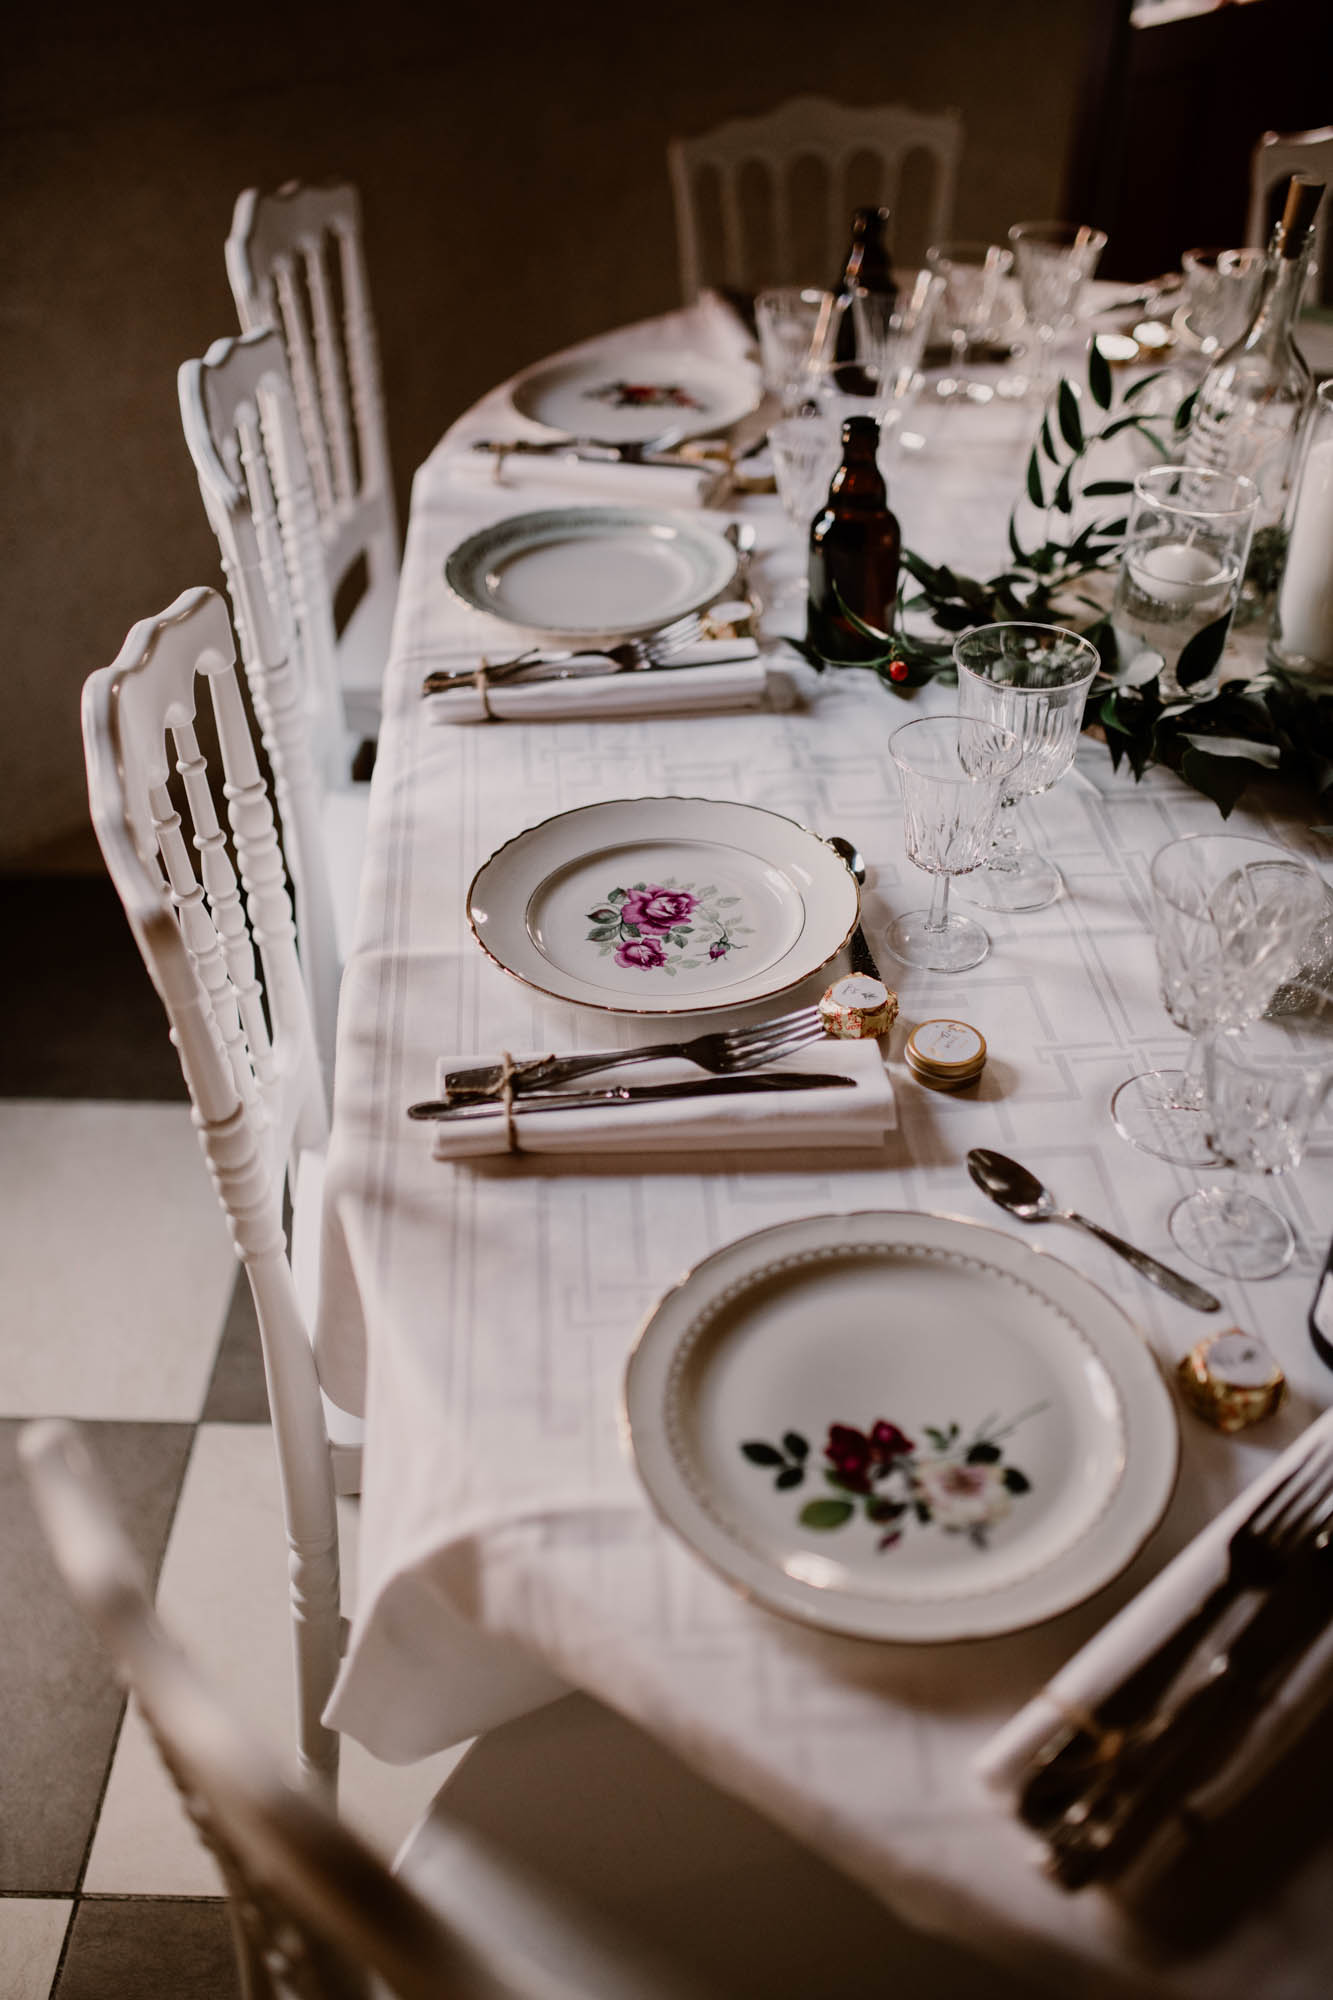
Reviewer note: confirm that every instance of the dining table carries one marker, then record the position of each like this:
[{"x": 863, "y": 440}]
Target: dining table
[{"x": 480, "y": 1313}]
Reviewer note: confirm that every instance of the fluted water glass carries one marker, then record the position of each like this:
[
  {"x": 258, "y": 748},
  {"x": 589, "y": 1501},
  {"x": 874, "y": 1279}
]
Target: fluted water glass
[
  {"x": 1034, "y": 680},
  {"x": 1053, "y": 261},
  {"x": 951, "y": 769}
]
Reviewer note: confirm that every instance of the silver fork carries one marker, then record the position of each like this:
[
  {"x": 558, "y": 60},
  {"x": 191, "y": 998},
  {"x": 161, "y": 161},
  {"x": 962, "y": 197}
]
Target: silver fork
[
  {"x": 725, "y": 1053},
  {"x": 629, "y": 655},
  {"x": 1101, "y": 1825},
  {"x": 1258, "y": 1554}
]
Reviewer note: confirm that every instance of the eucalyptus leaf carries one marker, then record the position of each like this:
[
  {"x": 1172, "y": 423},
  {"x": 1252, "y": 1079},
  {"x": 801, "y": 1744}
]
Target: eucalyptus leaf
[
  {"x": 1266, "y": 755},
  {"x": 1071, "y": 424},
  {"x": 1099, "y": 377},
  {"x": 1096, "y": 487},
  {"x": 1136, "y": 389},
  {"x": 1063, "y": 497},
  {"x": 1222, "y": 779},
  {"x": 1035, "y": 493},
  {"x": 1202, "y": 653},
  {"x": 1046, "y": 440}
]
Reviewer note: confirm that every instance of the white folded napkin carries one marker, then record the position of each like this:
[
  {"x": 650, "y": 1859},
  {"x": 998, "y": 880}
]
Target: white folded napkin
[
  {"x": 1007, "y": 1760},
  {"x": 708, "y": 677},
  {"x": 636, "y": 485},
  {"x": 767, "y": 1120}
]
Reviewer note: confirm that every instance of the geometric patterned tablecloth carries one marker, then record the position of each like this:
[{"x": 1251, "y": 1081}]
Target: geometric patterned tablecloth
[{"x": 484, "y": 1311}]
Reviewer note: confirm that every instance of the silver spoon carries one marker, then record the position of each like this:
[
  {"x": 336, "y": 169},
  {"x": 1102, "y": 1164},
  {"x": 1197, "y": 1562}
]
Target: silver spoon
[
  {"x": 1014, "y": 1188},
  {"x": 862, "y": 958}
]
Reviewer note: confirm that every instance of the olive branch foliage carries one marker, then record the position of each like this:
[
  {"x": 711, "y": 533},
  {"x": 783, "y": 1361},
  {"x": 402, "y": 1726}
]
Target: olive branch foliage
[{"x": 1270, "y": 725}]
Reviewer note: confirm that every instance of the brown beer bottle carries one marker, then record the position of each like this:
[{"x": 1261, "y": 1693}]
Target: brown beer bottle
[
  {"x": 869, "y": 265},
  {"x": 854, "y": 549}
]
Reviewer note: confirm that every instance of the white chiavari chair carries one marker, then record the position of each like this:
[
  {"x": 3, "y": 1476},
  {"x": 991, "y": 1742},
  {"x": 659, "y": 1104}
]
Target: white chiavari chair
[
  {"x": 746, "y": 153},
  {"x": 315, "y": 1914},
  {"x": 296, "y": 263},
  {"x": 225, "y": 966},
  {"x": 241, "y": 427}
]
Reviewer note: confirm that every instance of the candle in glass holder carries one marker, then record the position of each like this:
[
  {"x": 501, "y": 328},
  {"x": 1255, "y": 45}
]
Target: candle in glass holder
[{"x": 1304, "y": 625}]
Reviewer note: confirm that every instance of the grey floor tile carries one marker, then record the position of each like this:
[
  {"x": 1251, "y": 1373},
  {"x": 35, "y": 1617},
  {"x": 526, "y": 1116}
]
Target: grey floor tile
[
  {"x": 143, "y": 1949},
  {"x": 60, "y": 1705},
  {"x": 236, "y": 1393},
  {"x": 83, "y": 1020}
]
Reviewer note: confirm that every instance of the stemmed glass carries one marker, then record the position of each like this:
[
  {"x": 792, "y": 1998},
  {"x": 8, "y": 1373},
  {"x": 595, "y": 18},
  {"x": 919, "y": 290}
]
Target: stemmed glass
[
  {"x": 806, "y": 452},
  {"x": 795, "y": 325},
  {"x": 972, "y": 304},
  {"x": 1262, "y": 1088},
  {"x": 1032, "y": 679},
  {"x": 1231, "y": 919},
  {"x": 891, "y": 330},
  {"x": 951, "y": 768},
  {"x": 1053, "y": 260}
]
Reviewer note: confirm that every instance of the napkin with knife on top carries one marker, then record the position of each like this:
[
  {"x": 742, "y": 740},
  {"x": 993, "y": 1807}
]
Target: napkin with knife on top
[
  {"x": 591, "y": 478},
  {"x": 767, "y": 1120},
  {"x": 712, "y": 674},
  {"x": 1011, "y": 1757}
]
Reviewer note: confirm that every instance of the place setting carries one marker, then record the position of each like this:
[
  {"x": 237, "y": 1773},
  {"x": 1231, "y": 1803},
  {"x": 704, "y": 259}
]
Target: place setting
[
  {"x": 678, "y": 910},
  {"x": 597, "y": 611}
]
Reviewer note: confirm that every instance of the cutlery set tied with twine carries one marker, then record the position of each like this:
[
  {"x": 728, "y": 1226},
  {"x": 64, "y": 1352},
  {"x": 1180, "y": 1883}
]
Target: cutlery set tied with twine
[
  {"x": 780, "y": 1083},
  {"x": 1173, "y": 1712}
]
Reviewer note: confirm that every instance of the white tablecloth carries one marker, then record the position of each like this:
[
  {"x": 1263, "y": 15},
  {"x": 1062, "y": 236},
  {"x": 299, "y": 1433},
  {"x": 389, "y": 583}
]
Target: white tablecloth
[{"x": 486, "y": 1310}]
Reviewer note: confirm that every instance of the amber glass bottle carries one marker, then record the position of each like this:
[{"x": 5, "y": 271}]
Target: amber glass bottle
[
  {"x": 854, "y": 549},
  {"x": 868, "y": 264}
]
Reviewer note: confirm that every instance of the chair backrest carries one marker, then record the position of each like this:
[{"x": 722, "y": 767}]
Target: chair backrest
[
  {"x": 296, "y": 263},
  {"x": 311, "y": 1907},
  {"x": 225, "y": 965},
  {"x": 1275, "y": 158},
  {"x": 241, "y": 427},
  {"x": 766, "y": 150}
]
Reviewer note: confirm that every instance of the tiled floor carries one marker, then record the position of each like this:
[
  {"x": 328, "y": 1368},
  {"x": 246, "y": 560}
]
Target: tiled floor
[{"x": 120, "y": 1306}]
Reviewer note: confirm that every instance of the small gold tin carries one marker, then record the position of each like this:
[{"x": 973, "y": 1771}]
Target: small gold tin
[
  {"x": 946, "y": 1055},
  {"x": 1231, "y": 1380}
]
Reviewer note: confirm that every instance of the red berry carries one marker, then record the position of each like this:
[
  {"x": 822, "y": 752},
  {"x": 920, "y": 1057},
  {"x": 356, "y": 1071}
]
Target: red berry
[{"x": 898, "y": 670}]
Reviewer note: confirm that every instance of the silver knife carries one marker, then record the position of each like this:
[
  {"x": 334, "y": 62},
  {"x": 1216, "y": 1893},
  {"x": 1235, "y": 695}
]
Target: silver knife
[
  {"x": 584, "y": 666},
  {"x": 634, "y": 1093}
]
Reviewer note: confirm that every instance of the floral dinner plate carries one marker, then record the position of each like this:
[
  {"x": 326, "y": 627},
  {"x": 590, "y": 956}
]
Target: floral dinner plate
[
  {"x": 634, "y": 397},
  {"x": 663, "y": 906},
  {"x": 901, "y": 1426}
]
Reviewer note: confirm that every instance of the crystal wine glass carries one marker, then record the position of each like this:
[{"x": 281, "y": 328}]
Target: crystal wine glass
[
  {"x": 951, "y": 769},
  {"x": 891, "y": 330},
  {"x": 972, "y": 306},
  {"x": 1053, "y": 260},
  {"x": 795, "y": 325},
  {"x": 1032, "y": 679},
  {"x": 1263, "y": 1086},
  {"x": 1231, "y": 919}
]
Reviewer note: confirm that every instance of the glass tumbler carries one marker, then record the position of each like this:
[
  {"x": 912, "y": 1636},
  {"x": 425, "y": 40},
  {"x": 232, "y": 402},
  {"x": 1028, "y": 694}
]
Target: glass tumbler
[
  {"x": 951, "y": 769},
  {"x": 1180, "y": 575},
  {"x": 1034, "y": 680}
]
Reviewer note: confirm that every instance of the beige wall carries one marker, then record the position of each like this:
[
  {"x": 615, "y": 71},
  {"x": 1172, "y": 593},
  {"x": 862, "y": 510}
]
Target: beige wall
[{"x": 511, "y": 161}]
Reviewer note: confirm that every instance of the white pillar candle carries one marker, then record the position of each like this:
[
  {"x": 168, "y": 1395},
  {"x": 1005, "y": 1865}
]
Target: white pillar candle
[
  {"x": 1305, "y": 601},
  {"x": 1175, "y": 572}
]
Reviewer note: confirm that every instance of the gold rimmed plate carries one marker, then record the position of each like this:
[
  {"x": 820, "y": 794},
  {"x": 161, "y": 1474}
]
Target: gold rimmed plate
[
  {"x": 663, "y": 905},
  {"x": 901, "y": 1426}
]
